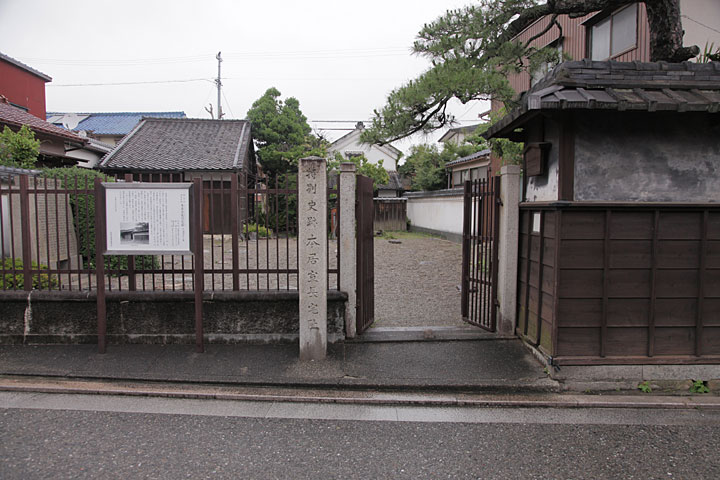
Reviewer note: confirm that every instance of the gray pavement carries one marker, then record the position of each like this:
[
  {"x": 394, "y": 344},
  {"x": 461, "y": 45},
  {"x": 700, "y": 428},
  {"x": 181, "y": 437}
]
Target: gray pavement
[
  {"x": 486, "y": 365},
  {"x": 76, "y": 436}
]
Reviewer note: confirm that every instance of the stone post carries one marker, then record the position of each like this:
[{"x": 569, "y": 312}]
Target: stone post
[
  {"x": 312, "y": 259},
  {"x": 508, "y": 251},
  {"x": 348, "y": 245}
]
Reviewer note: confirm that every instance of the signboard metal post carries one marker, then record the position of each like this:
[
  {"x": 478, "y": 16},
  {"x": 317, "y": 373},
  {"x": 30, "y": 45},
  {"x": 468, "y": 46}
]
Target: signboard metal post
[
  {"x": 100, "y": 263},
  {"x": 148, "y": 219},
  {"x": 199, "y": 263}
]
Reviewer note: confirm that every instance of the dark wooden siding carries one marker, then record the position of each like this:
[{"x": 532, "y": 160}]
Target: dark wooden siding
[
  {"x": 536, "y": 276},
  {"x": 635, "y": 283}
]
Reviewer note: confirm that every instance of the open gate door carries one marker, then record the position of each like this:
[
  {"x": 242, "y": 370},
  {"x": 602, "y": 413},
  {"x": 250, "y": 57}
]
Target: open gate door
[
  {"x": 481, "y": 219},
  {"x": 365, "y": 254}
]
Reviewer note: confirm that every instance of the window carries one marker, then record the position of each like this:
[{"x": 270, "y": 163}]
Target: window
[
  {"x": 545, "y": 67},
  {"x": 614, "y": 34}
]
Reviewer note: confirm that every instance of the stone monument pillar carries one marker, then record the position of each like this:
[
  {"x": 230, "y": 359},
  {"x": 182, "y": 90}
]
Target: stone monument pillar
[{"x": 312, "y": 259}]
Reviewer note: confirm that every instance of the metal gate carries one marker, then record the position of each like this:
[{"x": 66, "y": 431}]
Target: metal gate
[
  {"x": 365, "y": 254},
  {"x": 481, "y": 217}
]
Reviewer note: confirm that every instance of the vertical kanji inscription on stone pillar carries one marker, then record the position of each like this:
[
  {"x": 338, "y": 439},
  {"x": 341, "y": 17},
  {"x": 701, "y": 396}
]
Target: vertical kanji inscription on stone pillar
[{"x": 312, "y": 260}]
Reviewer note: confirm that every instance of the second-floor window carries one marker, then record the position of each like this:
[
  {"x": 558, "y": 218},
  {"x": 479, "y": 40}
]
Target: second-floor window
[{"x": 614, "y": 34}]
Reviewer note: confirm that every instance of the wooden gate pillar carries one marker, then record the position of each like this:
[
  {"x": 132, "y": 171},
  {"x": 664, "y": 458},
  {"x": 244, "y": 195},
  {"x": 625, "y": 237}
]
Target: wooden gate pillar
[
  {"x": 348, "y": 250},
  {"x": 312, "y": 258}
]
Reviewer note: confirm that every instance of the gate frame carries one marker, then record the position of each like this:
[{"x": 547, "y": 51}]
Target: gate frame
[
  {"x": 365, "y": 211},
  {"x": 481, "y": 224}
]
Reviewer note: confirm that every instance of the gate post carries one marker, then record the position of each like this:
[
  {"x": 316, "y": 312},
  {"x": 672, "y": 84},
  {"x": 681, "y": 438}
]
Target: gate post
[
  {"x": 348, "y": 250},
  {"x": 508, "y": 242},
  {"x": 312, "y": 257}
]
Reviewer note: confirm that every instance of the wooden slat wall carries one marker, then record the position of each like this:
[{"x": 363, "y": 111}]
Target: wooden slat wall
[
  {"x": 574, "y": 42},
  {"x": 536, "y": 277},
  {"x": 638, "y": 283}
]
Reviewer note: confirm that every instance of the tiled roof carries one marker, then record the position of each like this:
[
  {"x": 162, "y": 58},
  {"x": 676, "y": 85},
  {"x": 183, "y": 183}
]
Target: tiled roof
[
  {"x": 15, "y": 116},
  {"x": 115, "y": 123},
  {"x": 182, "y": 144},
  {"x": 467, "y": 129},
  {"x": 25, "y": 67},
  {"x": 469, "y": 158},
  {"x": 651, "y": 87}
]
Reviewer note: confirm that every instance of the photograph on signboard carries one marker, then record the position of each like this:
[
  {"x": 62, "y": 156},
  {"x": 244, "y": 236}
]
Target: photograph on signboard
[{"x": 147, "y": 218}]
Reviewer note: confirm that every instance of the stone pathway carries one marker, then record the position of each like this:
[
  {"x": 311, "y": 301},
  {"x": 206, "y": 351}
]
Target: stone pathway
[{"x": 417, "y": 281}]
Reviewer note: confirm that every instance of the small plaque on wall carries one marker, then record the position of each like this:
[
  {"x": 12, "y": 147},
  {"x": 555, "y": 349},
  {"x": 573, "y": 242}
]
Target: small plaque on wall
[{"x": 535, "y": 157}]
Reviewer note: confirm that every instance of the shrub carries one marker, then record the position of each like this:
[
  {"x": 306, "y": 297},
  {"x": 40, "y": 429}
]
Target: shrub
[
  {"x": 259, "y": 229},
  {"x": 16, "y": 281}
]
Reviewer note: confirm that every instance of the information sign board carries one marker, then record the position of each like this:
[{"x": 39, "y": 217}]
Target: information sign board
[{"x": 147, "y": 218}]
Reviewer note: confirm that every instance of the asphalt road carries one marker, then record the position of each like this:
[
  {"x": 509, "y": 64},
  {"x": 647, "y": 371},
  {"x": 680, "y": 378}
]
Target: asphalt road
[{"x": 82, "y": 436}]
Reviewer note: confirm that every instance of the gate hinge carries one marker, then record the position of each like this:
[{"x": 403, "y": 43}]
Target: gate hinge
[{"x": 499, "y": 201}]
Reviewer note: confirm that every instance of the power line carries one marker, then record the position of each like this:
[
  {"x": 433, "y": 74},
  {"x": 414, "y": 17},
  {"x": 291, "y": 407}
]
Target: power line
[
  {"x": 127, "y": 83},
  {"x": 299, "y": 54}
]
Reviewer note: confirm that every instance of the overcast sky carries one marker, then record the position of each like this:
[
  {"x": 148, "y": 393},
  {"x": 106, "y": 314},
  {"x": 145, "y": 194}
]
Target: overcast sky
[{"x": 340, "y": 59}]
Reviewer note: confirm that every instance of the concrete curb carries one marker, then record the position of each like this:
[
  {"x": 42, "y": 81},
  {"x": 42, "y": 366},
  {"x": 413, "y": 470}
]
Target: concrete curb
[
  {"x": 429, "y": 399},
  {"x": 347, "y": 383}
]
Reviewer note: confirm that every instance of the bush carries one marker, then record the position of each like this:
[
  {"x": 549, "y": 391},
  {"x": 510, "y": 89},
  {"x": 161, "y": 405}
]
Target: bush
[
  {"x": 259, "y": 229},
  {"x": 10, "y": 281},
  {"x": 83, "y": 208}
]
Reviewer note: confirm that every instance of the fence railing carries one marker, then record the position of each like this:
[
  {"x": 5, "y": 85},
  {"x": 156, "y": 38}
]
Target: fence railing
[{"x": 47, "y": 237}]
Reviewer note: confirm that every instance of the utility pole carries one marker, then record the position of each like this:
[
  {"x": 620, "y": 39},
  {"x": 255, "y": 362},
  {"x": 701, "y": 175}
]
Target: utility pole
[{"x": 219, "y": 87}]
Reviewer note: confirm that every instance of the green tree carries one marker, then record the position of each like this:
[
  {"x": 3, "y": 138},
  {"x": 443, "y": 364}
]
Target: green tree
[
  {"x": 364, "y": 167},
  {"x": 426, "y": 163},
  {"x": 18, "y": 149},
  {"x": 281, "y": 133},
  {"x": 472, "y": 52}
]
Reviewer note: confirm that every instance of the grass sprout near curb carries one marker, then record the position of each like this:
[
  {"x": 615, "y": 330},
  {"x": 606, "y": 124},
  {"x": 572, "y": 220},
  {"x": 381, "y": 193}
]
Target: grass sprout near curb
[
  {"x": 644, "y": 387},
  {"x": 699, "y": 386}
]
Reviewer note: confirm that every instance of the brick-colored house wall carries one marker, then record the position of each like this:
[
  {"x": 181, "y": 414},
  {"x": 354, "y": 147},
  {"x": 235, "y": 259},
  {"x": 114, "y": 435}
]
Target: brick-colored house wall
[{"x": 23, "y": 88}]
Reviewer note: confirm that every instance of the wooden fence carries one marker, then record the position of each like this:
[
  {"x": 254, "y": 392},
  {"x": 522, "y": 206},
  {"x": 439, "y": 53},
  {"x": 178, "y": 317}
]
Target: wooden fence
[{"x": 390, "y": 214}]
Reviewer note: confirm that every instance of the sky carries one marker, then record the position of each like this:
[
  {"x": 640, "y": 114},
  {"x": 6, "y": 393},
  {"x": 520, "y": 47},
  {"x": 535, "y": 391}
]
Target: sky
[{"x": 339, "y": 58}]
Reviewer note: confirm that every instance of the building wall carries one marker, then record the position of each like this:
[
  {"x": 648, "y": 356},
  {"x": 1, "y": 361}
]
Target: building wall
[
  {"x": 439, "y": 211},
  {"x": 351, "y": 144},
  {"x": 620, "y": 284},
  {"x": 653, "y": 157},
  {"x": 575, "y": 41},
  {"x": 544, "y": 188},
  {"x": 52, "y": 234},
  {"x": 23, "y": 88}
]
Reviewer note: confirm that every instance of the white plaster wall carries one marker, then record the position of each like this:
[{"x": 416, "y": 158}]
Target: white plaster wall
[
  {"x": 701, "y": 22},
  {"x": 85, "y": 158},
  {"x": 544, "y": 188},
  {"x": 444, "y": 214}
]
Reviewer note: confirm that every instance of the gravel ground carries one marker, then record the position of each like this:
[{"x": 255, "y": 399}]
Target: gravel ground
[{"x": 417, "y": 282}]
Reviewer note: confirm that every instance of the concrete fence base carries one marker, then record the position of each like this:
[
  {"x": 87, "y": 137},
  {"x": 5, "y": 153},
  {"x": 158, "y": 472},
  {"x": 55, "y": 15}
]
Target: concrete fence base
[{"x": 159, "y": 318}]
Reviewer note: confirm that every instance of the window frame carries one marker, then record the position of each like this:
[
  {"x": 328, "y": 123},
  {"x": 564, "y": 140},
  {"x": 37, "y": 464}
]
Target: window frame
[{"x": 597, "y": 19}]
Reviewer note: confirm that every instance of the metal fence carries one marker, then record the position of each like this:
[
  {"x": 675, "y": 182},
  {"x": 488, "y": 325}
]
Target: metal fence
[{"x": 47, "y": 236}]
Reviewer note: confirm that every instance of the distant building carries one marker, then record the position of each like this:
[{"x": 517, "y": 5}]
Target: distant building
[
  {"x": 350, "y": 145},
  {"x": 472, "y": 167},
  {"x": 182, "y": 149},
  {"x": 23, "y": 86},
  {"x": 106, "y": 127},
  {"x": 458, "y": 135},
  {"x": 22, "y": 102}
]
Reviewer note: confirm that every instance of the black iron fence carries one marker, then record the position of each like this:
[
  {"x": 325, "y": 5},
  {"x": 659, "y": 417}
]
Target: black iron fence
[{"x": 249, "y": 232}]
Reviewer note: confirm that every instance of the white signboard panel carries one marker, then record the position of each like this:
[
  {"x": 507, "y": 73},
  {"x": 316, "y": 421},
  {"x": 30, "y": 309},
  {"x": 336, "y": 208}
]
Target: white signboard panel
[{"x": 147, "y": 218}]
